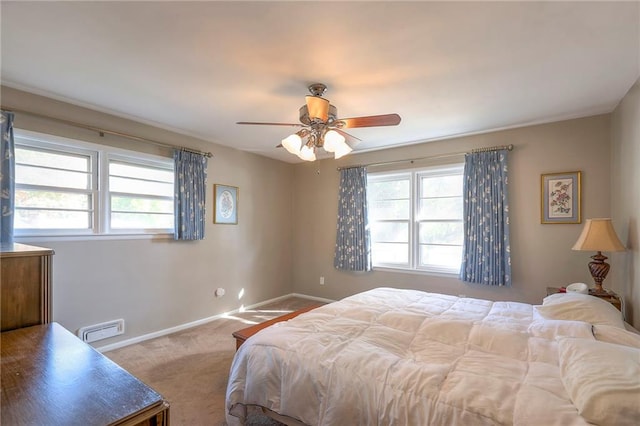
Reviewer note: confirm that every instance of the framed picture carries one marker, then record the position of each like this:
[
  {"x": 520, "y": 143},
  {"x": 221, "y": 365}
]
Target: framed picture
[
  {"x": 225, "y": 204},
  {"x": 560, "y": 198}
]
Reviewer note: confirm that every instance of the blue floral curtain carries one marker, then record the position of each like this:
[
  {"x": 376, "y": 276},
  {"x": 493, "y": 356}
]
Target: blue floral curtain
[
  {"x": 7, "y": 178},
  {"x": 190, "y": 195},
  {"x": 486, "y": 257},
  {"x": 353, "y": 239}
]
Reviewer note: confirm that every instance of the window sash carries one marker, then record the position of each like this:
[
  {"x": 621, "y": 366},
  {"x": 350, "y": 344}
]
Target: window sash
[
  {"x": 389, "y": 253},
  {"x": 147, "y": 182},
  {"x": 51, "y": 217}
]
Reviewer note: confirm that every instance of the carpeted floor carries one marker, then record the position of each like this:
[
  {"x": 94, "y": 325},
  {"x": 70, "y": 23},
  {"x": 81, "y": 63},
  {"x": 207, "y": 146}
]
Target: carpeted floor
[{"x": 190, "y": 368}]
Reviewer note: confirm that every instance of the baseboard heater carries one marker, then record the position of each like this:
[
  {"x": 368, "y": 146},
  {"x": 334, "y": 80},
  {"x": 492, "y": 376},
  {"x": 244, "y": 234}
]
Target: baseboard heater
[{"x": 104, "y": 330}]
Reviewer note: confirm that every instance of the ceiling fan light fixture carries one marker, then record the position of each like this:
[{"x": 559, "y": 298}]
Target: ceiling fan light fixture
[
  {"x": 332, "y": 140},
  {"x": 307, "y": 153},
  {"x": 342, "y": 150},
  {"x": 292, "y": 143}
]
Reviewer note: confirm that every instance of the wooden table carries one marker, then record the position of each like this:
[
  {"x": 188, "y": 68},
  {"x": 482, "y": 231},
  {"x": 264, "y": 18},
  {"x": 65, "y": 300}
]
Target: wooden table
[
  {"x": 245, "y": 333},
  {"x": 50, "y": 377}
]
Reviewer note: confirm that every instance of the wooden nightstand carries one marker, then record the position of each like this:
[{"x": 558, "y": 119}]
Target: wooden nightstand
[{"x": 611, "y": 297}]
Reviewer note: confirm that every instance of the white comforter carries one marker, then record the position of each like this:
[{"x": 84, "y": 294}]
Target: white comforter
[{"x": 405, "y": 357}]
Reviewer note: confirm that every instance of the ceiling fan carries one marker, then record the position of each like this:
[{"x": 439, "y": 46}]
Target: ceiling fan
[{"x": 321, "y": 127}]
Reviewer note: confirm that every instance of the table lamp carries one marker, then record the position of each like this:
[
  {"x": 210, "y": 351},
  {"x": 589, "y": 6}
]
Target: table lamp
[{"x": 598, "y": 235}]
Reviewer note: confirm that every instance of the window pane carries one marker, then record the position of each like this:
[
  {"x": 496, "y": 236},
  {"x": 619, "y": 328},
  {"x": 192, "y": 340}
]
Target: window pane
[
  {"x": 133, "y": 186},
  {"x": 390, "y": 232},
  {"x": 30, "y": 175},
  {"x": 140, "y": 172},
  {"x": 390, "y": 253},
  {"x": 131, "y": 204},
  {"x": 80, "y": 163},
  {"x": 441, "y": 233},
  {"x": 385, "y": 210},
  {"x": 141, "y": 221},
  {"x": 51, "y": 219},
  {"x": 52, "y": 199},
  {"x": 440, "y": 208},
  {"x": 391, "y": 189},
  {"x": 441, "y": 186},
  {"x": 443, "y": 256}
]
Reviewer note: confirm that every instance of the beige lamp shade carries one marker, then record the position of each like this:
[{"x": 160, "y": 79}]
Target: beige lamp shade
[
  {"x": 598, "y": 235},
  {"x": 317, "y": 107}
]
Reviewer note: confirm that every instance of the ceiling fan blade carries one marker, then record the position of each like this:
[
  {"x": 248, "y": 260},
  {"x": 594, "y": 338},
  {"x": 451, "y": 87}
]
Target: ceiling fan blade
[
  {"x": 269, "y": 124},
  {"x": 317, "y": 107},
  {"x": 371, "y": 121}
]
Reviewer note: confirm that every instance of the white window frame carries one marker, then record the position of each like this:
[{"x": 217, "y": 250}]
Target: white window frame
[
  {"x": 413, "y": 266},
  {"x": 100, "y": 156}
]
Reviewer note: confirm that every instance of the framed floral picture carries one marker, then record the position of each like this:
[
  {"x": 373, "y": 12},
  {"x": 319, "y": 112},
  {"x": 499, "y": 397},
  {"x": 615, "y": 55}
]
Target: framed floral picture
[
  {"x": 225, "y": 204},
  {"x": 560, "y": 195}
]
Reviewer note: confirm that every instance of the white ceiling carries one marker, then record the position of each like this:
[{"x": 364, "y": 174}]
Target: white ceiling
[{"x": 448, "y": 68}]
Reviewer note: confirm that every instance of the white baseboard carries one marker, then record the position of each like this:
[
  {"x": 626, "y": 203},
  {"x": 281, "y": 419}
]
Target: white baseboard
[
  {"x": 304, "y": 296},
  {"x": 185, "y": 326}
]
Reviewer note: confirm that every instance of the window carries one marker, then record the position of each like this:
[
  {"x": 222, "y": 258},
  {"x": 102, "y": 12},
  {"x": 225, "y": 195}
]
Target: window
[
  {"x": 416, "y": 219},
  {"x": 66, "y": 187}
]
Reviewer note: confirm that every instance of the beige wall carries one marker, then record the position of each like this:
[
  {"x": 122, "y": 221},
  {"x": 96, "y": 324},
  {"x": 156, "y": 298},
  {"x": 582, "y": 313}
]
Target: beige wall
[
  {"x": 625, "y": 199},
  {"x": 156, "y": 284},
  {"x": 541, "y": 254}
]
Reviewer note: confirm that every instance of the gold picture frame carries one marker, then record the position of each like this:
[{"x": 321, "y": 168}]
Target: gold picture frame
[
  {"x": 560, "y": 197},
  {"x": 225, "y": 204}
]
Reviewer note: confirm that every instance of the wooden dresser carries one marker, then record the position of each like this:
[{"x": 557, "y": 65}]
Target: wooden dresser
[
  {"x": 25, "y": 285},
  {"x": 50, "y": 377}
]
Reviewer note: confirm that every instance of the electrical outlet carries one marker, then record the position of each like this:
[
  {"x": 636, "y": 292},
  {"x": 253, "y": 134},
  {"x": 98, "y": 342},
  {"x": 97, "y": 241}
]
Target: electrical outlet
[{"x": 321, "y": 280}]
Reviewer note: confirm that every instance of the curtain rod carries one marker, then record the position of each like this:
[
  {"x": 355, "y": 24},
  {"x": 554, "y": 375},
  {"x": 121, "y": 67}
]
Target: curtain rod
[
  {"x": 411, "y": 160},
  {"x": 102, "y": 132}
]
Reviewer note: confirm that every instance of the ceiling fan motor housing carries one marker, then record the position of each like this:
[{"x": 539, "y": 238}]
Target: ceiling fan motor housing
[{"x": 305, "y": 119}]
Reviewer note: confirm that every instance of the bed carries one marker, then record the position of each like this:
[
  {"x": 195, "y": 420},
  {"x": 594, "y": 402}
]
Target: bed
[{"x": 405, "y": 357}]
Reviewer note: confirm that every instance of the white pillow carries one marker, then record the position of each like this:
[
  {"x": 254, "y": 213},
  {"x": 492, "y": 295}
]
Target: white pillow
[
  {"x": 580, "y": 307},
  {"x": 602, "y": 380},
  {"x": 606, "y": 333}
]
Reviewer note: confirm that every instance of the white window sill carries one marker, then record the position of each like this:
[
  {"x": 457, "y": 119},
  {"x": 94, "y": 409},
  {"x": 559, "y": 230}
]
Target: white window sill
[
  {"x": 90, "y": 237},
  {"x": 431, "y": 272}
]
